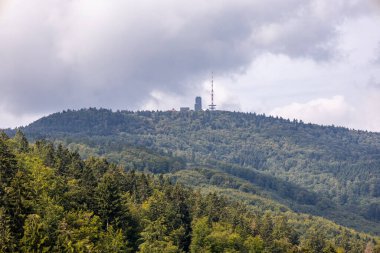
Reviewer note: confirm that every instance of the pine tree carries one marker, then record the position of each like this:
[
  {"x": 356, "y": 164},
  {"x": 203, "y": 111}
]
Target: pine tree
[
  {"x": 7, "y": 243},
  {"x": 3, "y": 136},
  {"x": 108, "y": 199},
  {"x": 35, "y": 237},
  {"x": 112, "y": 241},
  {"x": 314, "y": 240},
  {"x": 8, "y": 166},
  {"x": 21, "y": 143},
  {"x": 178, "y": 215},
  {"x": 155, "y": 238},
  {"x": 201, "y": 230},
  {"x": 78, "y": 232}
]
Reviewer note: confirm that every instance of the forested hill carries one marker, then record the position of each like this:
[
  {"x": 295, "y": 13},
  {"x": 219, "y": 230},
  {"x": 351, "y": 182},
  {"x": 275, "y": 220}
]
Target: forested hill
[
  {"x": 53, "y": 201},
  {"x": 317, "y": 169}
]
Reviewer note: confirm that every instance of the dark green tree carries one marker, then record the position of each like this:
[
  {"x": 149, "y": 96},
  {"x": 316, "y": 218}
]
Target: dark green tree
[
  {"x": 8, "y": 166},
  {"x": 108, "y": 199},
  {"x": 7, "y": 243}
]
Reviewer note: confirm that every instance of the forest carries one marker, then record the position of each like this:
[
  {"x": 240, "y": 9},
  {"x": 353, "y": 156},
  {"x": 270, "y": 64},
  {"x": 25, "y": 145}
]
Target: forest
[
  {"x": 327, "y": 171},
  {"x": 52, "y": 200}
]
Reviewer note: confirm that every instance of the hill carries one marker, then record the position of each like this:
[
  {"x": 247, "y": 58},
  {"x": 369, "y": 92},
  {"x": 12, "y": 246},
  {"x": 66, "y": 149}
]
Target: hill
[
  {"x": 53, "y": 201},
  {"x": 328, "y": 171}
]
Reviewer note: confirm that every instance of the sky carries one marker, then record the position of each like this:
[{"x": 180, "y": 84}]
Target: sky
[{"x": 313, "y": 60}]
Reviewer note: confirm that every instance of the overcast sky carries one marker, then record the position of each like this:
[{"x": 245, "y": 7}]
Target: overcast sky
[{"x": 315, "y": 60}]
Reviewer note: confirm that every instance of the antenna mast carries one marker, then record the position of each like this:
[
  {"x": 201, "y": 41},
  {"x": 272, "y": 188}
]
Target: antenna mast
[{"x": 212, "y": 106}]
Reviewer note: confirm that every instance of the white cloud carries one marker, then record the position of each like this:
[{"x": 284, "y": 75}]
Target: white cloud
[
  {"x": 336, "y": 110},
  {"x": 9, "y": 120},
  {"x": 369, "y": 117},
  {"x": 322, "y": 111},
  {"x": 276, "y": 81}
]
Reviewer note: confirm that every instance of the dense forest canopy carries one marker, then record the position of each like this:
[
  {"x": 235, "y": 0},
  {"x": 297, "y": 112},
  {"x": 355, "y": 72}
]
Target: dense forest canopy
[
  {"x": 328, "y": 171},
  {"x": 51, "y": 200}
]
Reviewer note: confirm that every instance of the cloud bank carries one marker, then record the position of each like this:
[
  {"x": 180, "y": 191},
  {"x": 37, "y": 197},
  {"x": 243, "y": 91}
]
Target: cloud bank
[{"x": 268, "y": 56}]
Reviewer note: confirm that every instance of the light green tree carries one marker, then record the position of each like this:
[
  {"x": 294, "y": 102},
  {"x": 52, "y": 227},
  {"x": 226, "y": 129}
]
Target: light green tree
[
  {"x": 254, "y": 244},
  {"x": 35, "y": 235},
  {"x": 79, "y": 232},
  {"x": 201, "y": 230},
  {"x": 20, "y": 142},
  {"x": 155, "y": 238},
  {"x": 112, "y": 241}
]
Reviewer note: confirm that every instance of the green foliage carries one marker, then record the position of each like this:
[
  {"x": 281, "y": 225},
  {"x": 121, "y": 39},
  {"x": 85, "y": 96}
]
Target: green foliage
[
  {"x": 108, "y": 198},
  {"x": 254, "y": 244},
  {"x": 223, "y": 237},
  {"x": 8, "y": 165},
  {"x": 35, "y": 235},
  {"x": 201, "y": 229},
  {"x": 112, "y": 241},
  {"x": 314, "y": 241},
  {"x": 6, "y": 237},
  {"x": 324, "y": 170},
  {"x": 172, "y": 207},
  {"x": 155, "y": 238},
  {"x": 78, "y": 232},
  {"x": 20, "y": 142},
  {"x": 53, "y": 201}
]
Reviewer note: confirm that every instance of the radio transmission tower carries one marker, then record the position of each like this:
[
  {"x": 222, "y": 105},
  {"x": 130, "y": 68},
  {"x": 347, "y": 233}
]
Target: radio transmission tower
[{"x": 212, "y": 106}]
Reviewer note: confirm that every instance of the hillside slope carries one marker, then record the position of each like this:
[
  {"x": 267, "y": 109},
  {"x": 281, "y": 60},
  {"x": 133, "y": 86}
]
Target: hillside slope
[
  {"x": 53, "y": 201},
  {"x": 328, "y": 171}
]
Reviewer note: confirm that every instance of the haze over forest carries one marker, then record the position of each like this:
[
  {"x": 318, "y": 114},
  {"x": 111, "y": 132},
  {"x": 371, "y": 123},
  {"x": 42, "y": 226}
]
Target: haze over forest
[{"x": 314, "y": 60}]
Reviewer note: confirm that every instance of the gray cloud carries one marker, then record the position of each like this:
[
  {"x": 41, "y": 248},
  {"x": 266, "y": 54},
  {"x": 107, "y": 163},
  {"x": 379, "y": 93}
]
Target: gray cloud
[
  {"x": 377, "y": 55},
  {"x": 70, "y": 54}
]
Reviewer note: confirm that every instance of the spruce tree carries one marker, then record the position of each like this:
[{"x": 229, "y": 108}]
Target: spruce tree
[{"x": 21, "y": 143}]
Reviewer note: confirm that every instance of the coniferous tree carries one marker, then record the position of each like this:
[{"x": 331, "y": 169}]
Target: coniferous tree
[
  {"x": 112, "y": 241},
  {"x": 78, "y": 232},
  {"x": 156, "y": 239},
  {"x": 8, "y": 165},
  {"x": 35, "y": 237},
  {"x": 178, "y": 213},
  {"x": 200, "y": 231},
  {"x": 314, "y": 241},
  {"x": 108, "y": 199},
  {"x": 7, "y": 243},
  {"x": 21, "y": 143}
]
